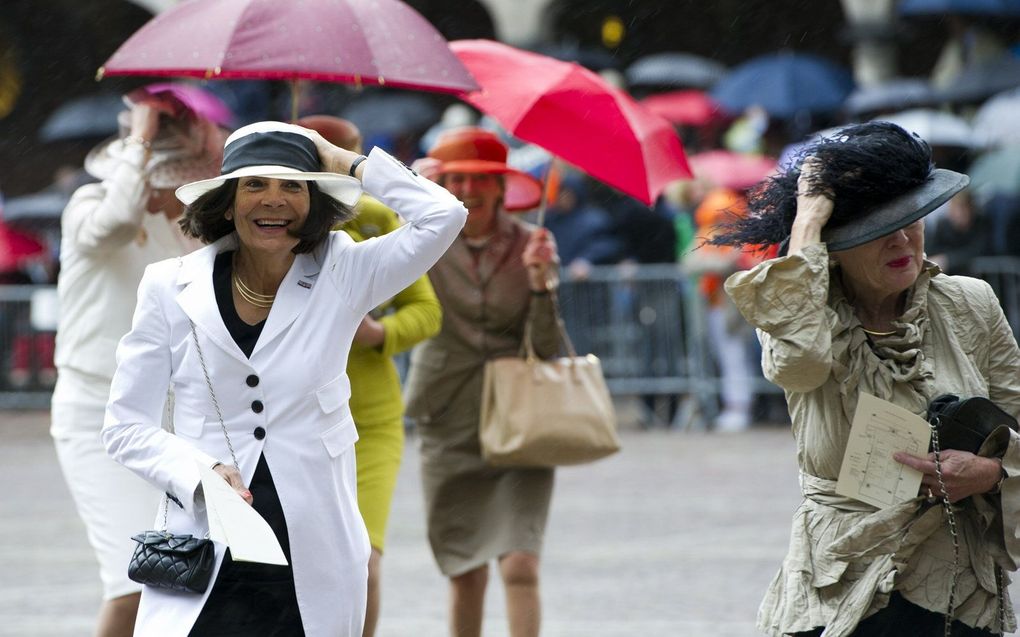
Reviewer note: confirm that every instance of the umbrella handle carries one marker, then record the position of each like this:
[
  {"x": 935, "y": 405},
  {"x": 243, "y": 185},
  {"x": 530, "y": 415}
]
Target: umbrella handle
[
  {"x": 540, "y": 219},
  {"x": 293, "y": 100}
]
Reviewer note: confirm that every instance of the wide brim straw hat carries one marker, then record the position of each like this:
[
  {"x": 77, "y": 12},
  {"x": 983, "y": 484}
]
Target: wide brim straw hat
[
  {"x": 473, "y": 150},
  {"x": 274, "y": 150},
  {"x": 186, "y": 149},
  {"x": 899, "y": 212}
]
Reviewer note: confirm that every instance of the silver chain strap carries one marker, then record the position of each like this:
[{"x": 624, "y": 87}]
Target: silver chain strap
[
  {"x": 212, "y": 394},
  {"x": 219, "y": 415},
  {"x": 951, "y": 517}
]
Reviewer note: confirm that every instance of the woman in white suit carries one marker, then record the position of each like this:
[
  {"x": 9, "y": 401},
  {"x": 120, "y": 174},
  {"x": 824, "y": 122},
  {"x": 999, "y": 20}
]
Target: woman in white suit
[{"x": 270, "y": 302}]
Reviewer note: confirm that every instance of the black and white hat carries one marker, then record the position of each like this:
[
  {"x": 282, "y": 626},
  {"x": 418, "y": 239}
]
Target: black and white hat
[{"x": 274, "y": 150}]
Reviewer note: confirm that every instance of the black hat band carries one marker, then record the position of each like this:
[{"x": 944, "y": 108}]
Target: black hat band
[{"x": 273, "y": 148}]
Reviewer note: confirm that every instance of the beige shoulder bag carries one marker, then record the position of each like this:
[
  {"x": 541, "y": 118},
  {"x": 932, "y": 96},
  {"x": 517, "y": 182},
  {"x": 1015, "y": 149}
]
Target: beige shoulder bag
[{"x": 542, "y": 413}]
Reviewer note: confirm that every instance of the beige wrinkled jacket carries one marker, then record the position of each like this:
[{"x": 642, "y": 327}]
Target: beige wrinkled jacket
[{"x": 846, "y": 557}]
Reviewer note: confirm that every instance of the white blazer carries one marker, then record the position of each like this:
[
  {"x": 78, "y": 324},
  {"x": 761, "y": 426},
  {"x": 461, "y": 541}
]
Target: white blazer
[{"x": 294, "y": 388}]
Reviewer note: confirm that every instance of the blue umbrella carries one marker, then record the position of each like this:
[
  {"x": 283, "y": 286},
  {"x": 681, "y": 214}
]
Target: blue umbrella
[
  {"x": 784, "y": 84},
  {"x": 86, "y": 117},
  {"x": 961, "y": 7}
]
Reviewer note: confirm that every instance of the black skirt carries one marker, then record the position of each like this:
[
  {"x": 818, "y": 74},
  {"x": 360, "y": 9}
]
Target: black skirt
[
  {"x": 901, "y": 618},
  {"x": 250, "y": 599}
]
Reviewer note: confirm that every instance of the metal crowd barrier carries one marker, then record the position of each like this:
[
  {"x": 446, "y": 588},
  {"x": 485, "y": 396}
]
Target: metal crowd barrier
[
  {"x": 26, "y": 347},
  {"x": 647, "y": 324}
]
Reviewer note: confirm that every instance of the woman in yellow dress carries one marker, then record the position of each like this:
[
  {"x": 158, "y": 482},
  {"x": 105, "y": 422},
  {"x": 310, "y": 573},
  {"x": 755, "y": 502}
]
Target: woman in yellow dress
[{"x": 408, "y": 318}]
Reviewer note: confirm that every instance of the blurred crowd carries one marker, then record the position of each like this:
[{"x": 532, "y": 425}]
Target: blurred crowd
[{"x": 965, "y": 110}]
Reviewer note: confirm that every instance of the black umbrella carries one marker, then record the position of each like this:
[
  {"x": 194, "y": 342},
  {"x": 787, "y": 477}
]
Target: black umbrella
[
  {"x": 675, "y": 70},
  {"x": 92, "y": 116},
  {"x": 37, "y": 211},
  {"x": 590, "y": 57},
  {"x": 891, "y": 96},
  {"x": 978, "y": 82},
  {"x": 392, "y": 114}
]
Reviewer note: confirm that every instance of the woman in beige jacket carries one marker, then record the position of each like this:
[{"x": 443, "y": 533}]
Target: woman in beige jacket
[{"x": 855, "y": 308}]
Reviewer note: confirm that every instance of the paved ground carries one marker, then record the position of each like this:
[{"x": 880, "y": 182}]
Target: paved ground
[{"x": 676, "y": 536}]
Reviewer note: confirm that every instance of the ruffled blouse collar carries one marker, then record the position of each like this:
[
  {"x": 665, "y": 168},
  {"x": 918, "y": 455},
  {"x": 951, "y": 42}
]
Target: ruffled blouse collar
[{"x": 893, "y": 367}]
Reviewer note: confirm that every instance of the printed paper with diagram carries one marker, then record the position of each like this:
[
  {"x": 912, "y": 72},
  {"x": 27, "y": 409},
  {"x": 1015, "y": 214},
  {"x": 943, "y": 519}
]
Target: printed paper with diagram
[{"x": 869, "y": 473}]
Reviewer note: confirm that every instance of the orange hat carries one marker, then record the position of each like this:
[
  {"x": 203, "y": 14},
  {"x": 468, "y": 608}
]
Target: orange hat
[{"x": 475, "y": 150}]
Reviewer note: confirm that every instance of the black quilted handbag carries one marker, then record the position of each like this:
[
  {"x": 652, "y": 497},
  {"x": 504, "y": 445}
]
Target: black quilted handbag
[
  {"x": 174, "y": 562},
  {"x": 964, "y": 424}
]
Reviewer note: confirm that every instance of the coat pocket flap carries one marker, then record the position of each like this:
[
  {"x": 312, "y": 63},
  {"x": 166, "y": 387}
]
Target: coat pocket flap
[
  {"x": 340, "y": 438},
  {"x": 334, "y": 393}
]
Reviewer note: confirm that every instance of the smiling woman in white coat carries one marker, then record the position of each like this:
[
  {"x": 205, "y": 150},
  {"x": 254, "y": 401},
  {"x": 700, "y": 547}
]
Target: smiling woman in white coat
[{"x": 273, "y": 304}]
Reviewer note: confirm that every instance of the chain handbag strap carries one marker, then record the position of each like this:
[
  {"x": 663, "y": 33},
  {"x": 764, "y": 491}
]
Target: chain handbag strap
[
  {"x": 212, "y": 394},
  {"x": 951, "y": 517}
]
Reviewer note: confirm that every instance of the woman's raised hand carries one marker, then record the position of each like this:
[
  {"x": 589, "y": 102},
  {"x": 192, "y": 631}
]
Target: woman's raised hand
[
  {"x": 540, "y": 257},
  {"x": 233, "y": 478},
  {"x": 334, "y": 159},
  {"x": 813, "y": 208}
]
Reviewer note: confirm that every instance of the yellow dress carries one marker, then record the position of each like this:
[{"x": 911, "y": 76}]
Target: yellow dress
[{"x": 411, "y": 316}]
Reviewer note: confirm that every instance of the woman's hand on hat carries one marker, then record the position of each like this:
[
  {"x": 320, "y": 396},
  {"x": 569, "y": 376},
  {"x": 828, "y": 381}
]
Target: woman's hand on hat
[
  {"x": 335, "y": 159},
  {"x": 539, "y": 257},
  {"x": 233, "y": 478},
  {"x": 144, "y": 122},
  {"x": 813, "y": 207}
]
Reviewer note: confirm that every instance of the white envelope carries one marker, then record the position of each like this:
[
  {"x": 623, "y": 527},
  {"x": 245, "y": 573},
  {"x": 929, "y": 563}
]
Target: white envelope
[{"x": 235, "y": 523}]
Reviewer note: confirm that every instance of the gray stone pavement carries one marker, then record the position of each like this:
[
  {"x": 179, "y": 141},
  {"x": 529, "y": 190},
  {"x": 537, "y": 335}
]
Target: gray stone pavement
[{"x": 677, "y": 536}]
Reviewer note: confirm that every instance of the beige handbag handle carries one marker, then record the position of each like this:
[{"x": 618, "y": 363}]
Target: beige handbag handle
[{"x": 528, "y": 348}]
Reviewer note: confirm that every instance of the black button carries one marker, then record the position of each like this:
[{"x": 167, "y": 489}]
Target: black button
[
  {"x": 260, "y": 433},
  {"x": 256, "y": 406},
  {"x": 252, "y": 380}
]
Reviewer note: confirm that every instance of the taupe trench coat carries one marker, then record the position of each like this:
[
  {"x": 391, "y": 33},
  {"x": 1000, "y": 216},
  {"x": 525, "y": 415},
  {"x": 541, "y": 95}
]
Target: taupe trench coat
[{"x": 476, "y": 512}]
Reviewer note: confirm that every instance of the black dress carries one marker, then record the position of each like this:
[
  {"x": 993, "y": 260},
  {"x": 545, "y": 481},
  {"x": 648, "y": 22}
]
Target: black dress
[{"x": 250, "y": 599}]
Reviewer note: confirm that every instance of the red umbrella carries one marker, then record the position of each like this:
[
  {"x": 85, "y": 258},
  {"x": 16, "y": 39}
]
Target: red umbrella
[
  {"x": 688, "y": 108},
  {"x": 732, "y": 170},
  {"x": 16, "y": 247},
  {"x": 574, "y": 114},
  {"x": 349, "y": 41}
]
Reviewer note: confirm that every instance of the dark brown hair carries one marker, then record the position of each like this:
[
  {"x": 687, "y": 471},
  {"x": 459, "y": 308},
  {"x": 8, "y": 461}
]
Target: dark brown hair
[{"x": 205, "y": 218}]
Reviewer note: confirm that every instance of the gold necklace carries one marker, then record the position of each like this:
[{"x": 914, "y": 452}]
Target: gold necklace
[
  {"x": 251, "y": 296},
  {"x": 867, "y": 331}
]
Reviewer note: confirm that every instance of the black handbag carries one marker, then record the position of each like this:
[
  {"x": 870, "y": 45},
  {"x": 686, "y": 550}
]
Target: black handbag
[
  {"x": 964, "y": 424},
  {"x": 170, "y": 561}
]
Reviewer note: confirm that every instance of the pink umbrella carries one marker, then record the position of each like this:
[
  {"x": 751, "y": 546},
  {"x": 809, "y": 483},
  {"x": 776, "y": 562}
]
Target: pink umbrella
[
  {"x": 574, "y": 114},
  {"x": 688, "y": 108},
  {"x": 732, "y": 170},
  {"x": 16, "y": 248},
  {"x": 348, "y": 41}
]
